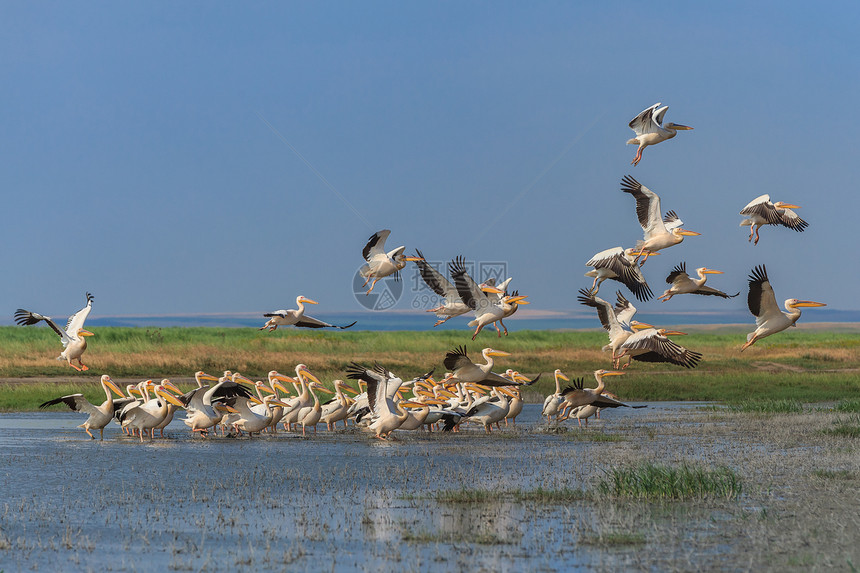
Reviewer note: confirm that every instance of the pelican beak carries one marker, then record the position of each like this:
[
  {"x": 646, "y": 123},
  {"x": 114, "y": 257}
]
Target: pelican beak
[
  {"x": 83, "y": 332},
  {"x": 563, "y": 377},
  {"x": 109, "y": 383},
  {"x": 241, "y": 378},
  {"x": 712, "y": 272},
  {"x": 280, "y": 387},
  {"x": 808, "y": 303},
  {"x": 349, "y": 389},
  {"x": 169, "y": 397},
  {"x": 231, "y": 409},
  {"x": 613, "y": 373},
  {"x": 311, "y": 376},
  {"x": 492, "y": 289},
  {"x": 446, "y": 393},
  {"x": 278, "y": 403},
  {"x": 789, "y": 206},
  {"x": 408, "y": 404},
  {"x": 283, "y": 378},
  {"x": 413, "y": 259},
  {"x": 681, "y": 127},
  {"x": 171, "y": 386},
  {"x": 687, "y": 233},
  {"x": 135, "y": 391},
  {"x": 322, "y": 388},
  {"x": 506, "y": 392},
  {"x": 675, "y": 333},
  {"x": 265, "y": 389},
  {"x": 498, "y": 353},
  {"x": 640, "y": 253},
  {"x": 209, "y": 377},
  {"x": 255, "y": 400},
  {"x": 309, "y": 301},
  {"x": 641, "y": 326},
  {"x": 518, "y": 299}
]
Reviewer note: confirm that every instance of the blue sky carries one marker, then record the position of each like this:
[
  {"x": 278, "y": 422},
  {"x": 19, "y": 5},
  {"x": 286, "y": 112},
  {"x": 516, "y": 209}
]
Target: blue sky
[{"x": 138, "y": 161}]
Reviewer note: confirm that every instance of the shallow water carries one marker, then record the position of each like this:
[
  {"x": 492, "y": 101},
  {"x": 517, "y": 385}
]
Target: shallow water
[{"x": 335, "y": 501}]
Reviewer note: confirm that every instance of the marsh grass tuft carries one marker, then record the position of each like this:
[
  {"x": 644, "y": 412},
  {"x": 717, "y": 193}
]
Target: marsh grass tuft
[
  {"x": 847, "y": 406},
  {"x": 781, "y": 406},
  {"x": 650, "y": 481},
  {"x": 845, "y": 427}
]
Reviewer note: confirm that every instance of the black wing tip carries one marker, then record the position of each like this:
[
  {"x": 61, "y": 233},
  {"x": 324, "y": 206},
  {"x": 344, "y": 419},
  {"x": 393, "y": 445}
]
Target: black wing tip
[
  {"x": 629, "y": 184},
  {"x": 90, "y": 297},
  {"x": 758, "y": 275},
  {"x": 348, "y": 325}
]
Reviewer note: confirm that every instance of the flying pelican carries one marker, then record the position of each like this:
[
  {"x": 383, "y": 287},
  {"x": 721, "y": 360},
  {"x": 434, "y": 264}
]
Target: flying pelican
[
  {"x": 619, "y": 264},
  {"x": 73, "y": 338},
  {"x": 649, "y": 129},
  {"x": 683, "y": 284},
  {"x": 510, "y": 304},
  {"x": 760, "y": 211},
  {"x": 100, "y": 416},
  {"x": 379, "y": 263},
  {"x": 464, "y": 370},
  {"x": 575, "y": 395},
  {"x": 452, "y": 305},
  {"x": 660, "y": 233},
  {"x": 616, "y": 321},
  {"x": 653, "y": 345},
  {"x": 487, "y": 310},
  {"x": 297, "y": 317},
  {"x": 762, "y": 302}
]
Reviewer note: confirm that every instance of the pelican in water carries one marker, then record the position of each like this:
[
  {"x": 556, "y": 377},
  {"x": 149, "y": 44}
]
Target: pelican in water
[
  {"x": 618, "y": 322},
  {"x": 99, "y": 416},
  {"x": 464, "y": 370},
  {"x": 575, "y": 395},
  {"x": 73, "y": 337},
  {"x": 296, "y": 317},
  {"x": 619, "y": 264},
  {"x": 146, "y": 416},
  {"x": 760, "y": 211},
  {"x": 201, "y": 403},
  {"x": 488, "y": 308},
  {"x": 653, "y": 345},
  {"x": 491, "y": 411},
  {"x": 650, "y": 130},
  {"x": 379, "y": 263},
  {"x": 386, "y": 414},
  {"x": 553, "y": 401},
  {"x": 660, "y": 233},
  {"x": 683, "y": 284},
  {"x": 762, "y": 303}
]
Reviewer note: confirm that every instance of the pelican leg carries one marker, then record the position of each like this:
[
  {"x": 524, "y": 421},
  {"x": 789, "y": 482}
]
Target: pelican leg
[
  {"x": 499, "y": 332},
  {"x": 756, "y": 236},
  {"x": 752, "y": 232},
  {"x": 75, "y": 367},
  {"x": 366, "y": 280},
  {"x": 638, "y": 157},
  {"x": 477, "y": 330},
  {"x": 503, "y": 326},
  {"x": 647, "y": 254},
  {"x": 443, "y": 321},
  {"x": 749, "y": 343},
  {"x": 371, "y": 286}
]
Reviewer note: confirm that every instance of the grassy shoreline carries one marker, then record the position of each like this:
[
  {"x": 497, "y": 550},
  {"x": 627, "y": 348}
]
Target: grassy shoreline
[{"x": 803, "y": 365}]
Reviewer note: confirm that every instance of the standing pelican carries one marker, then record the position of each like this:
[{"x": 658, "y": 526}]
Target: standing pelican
[
  {"x": 296, "y": 317},
  {"x": 683, "y": 284},
  {"x": 464, "y": 370},
  {"x": 100, "y": 416},
  {"x": 379, "y": 263},
  {"x": 649, "y": 129},
  {"x": 760, "y": 211},
  {"x": 762, "y": 303},
  {"x": 660, "y": 233},
  {"x": 619, "y": 264},
  {"x": 73, "y": 338},
  {"x": 553, "y": 401}
]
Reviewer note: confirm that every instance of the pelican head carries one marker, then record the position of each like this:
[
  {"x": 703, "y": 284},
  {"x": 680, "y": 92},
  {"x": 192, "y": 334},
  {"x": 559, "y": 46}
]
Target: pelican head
[
  {"x": 601, "y": 373},
  {"x": 559, "y": 374},
  {"x": 491, "y": 352},
  {"x": 200, "y": 375},
  {"x": 707, "y": 271},
  {"x": 781, "y": 205},
  {"x": 518, "y": 299},
  {"x": 795, "y": 303},
  {"x": 302, "y": 299},
  {"x": 161, "y": 392},
  {"x": 109, "y": 383}
]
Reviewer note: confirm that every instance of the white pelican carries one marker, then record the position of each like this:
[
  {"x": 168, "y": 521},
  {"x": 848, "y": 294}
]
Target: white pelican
[
  {"x": 762, "y": 302},
  {"x": 510, "y": 304},
  {"x": 379, "y": 263},
  {"x": 145, "y": 417},
  {"x": 100, "y": 416},
  {"x": 387, "y": 415},
  {"x": 491, "y": 411},
  {"x": 200, "y": 403},
  {"x": 311, "y": 415},
  {"x": 337, "y": 408},
  {"x": 619, "y": 264},
  {"x": 464, "y": 370},
  {"x": 553, "y": 401},
  {"x": 660, "y": 233},
  {"x": 73, "y": 337},
  {"x": 515, "y": 407},
  {"x": 653, "y": 345},
  {"x": 649, "y": 129},
  {"x": 683, "y": 284},
  {"x": 251, "y": 421},
  {"x": 487, "y": 309},
  {"x": 616, "y": 321},
  {"x": 297, "y": 317},
  {"x": 171, "y": 407},
  {"x": 575, "y": 395},
  {"x": 304, "y": 399},
  {"x": 760, "y": 211},
  {"x": 452, "y": 305}
]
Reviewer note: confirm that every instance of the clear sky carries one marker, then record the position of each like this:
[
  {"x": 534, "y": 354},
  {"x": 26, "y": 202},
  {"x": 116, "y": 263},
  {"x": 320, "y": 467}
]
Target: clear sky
[{"x": 146, "y": 146}]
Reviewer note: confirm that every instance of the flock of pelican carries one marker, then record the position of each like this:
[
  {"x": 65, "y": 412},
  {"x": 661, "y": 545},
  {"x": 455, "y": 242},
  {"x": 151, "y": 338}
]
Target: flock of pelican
[{"x": 469, "y": 392}]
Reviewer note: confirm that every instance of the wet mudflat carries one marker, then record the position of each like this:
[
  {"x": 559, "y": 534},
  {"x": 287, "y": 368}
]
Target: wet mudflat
[{"x": 343, "y": 501}]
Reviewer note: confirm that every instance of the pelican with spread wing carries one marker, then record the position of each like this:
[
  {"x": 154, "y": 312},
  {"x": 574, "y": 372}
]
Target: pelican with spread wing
[
  {"x": 760, "y": 211},
  {"x": 650, "y": 129},
  {"x": 683, "y": 284},
  {"x": 619, "y": 264},
  {"x": 73, "y": 337},
  {"x": 452, "y": 305},
  {"x": 618, "y": 321},
  {"x": 489, "y": 303},
  {"x": 464, "y": 370},
  {"x": 660, "y": 232},
  {"x": 379, "y": 263},
  {"x": 762, "y": 304},
  {"x": 654, "y": 345},
  {"x": 99, "y": 416},
  {"x": 296, "y": 317}
]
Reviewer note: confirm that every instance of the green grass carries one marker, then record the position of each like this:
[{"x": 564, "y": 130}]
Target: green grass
[
  {"x": 802, "y": 366},
  {"x": 656, "y": 482},
  {"x": 783, "y": 406},
  {"x": 845, "y": 427},
  {"x": 848, "y": 406}
]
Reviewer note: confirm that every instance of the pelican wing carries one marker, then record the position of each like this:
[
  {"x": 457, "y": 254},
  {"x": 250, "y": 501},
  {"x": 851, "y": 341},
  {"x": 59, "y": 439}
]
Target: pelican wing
[
  {"x": 281, "y": 313},
  {"x": 626, "y": 271},
  {"x": 672, "y": 221},
  {"x": 649, "y": 120},
  {"x": 708, "y": 291},
  {"x": 456, "y": 359},
  {"x": 678, "y": 273},
  {"x": 624, "y": 309},
  {"x": 377, "y": 383},
  {"x": 660, "y": 349},
  {"x": 375, "y": 245},
  {"x": 311, "y": 322},
  {"x": 790, "y": 219},
  {"x": 27, "y": 318},
  {"x": 605, "y": 312},
  {"x": 467, "y": 288},
  {"x": 76, "y": 321},
  {"x": 648, "y": 209},
  {"x": 761, "y": 299},
  {"x": 435, "y": 280},
  {"x": 603, "y": 401},
  {"x": 76, "y": 402}
]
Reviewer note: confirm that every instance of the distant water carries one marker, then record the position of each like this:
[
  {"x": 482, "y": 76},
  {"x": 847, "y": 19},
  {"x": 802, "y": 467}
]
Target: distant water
[{"x": 382, "y": 321}]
